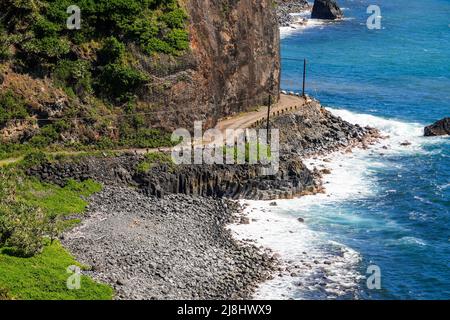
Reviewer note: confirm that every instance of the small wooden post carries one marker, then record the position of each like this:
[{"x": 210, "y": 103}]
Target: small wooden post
[
  {"x": 304, "y": 77},
  {"x": 268, "y": 117}
]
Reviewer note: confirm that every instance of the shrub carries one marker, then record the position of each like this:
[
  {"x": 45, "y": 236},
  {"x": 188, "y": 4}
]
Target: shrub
[
  {"x": 11, "y": 107},
  {"x": 5, "y": 54},
  {"x": 44, "y": 28},
  {"x": 178, "y": 39},
  {"x": 120, "y": 81},
  {"x": 22, "y": 228},
  {"x": 105, "y": 143},
  {"x": 32, "y": 159},
  {"x": 48, "y": 47},
  {"x": 157, "y": 45},
  {"x": 46, "y": 137},
  {"x": 113, "y": 51},
  {"x": 143, "y": 29},
  {"x": 155, "y": 158},
  {"x": 74, "y": 75},
  {"x": 175, "y": 19}
]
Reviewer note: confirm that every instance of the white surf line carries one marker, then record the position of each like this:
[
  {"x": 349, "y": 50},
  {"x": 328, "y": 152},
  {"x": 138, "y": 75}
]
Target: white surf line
[{"x": 309, "y": 270}]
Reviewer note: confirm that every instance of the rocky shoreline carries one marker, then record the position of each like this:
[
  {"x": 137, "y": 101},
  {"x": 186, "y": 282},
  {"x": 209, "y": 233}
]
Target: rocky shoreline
[
  {"x": 287, "y": 7},
  {"x": 171, "y": 248},
  {"x": 163, "y": 234}
]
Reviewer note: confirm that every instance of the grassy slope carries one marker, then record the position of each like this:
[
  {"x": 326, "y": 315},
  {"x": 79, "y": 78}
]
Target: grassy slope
[
  {"x": 56, "y": 200},
  {"x": 93, "y": 69},
  {"x": 44, "y": 276}
]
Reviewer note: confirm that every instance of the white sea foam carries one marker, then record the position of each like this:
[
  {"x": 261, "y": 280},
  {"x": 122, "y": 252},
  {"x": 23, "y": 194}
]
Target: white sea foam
[
  {"x": 300, "y": 27},
  {"x": 407, "y": 241},
  {"x": 336, "y": 272},
  {"x": 304, "y": 21}
]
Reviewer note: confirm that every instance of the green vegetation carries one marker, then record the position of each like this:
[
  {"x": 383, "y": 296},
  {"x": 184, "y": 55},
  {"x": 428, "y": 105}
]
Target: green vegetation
[
  {"x": 11, "y": 107},
  {"x": 155, "y": 158},
  {"x": 54, "y": 200},
  {"x": 44, "y": 276},
  {"x": 119, "y": 81},
  {"x": 259, "y": 152},
  {"x": 33, "y": 265},
  {"x": 88, "y": 83},
  {"x": 74, "y": 77},
  {"x": 101, "y": 67},
  {"x": 130, "y": 136},
  {"x": 144, "y": 22},
  {"x": 31, "y": 210}
]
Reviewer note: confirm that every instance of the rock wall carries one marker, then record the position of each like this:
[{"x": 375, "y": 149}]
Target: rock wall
[
  {"x": 219, "y": 181},
  {"x": 313, "y": 130},
  {"x": 310, "y": 131},
  {"x": 234, "y": 64}
]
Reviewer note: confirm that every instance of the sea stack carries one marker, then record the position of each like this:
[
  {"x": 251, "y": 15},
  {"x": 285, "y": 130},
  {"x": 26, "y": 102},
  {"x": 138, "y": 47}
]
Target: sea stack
[
  {"x": 327, "y": 10},
  {"x": 439, "y": 128}
]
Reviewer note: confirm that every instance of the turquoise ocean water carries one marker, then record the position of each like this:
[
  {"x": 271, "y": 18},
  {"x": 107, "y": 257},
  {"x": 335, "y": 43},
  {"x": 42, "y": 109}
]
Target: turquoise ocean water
[{"x": 389, "y": 207}]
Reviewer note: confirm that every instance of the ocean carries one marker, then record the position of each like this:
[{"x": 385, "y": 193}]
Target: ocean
[{"x": 389, "y": 206}]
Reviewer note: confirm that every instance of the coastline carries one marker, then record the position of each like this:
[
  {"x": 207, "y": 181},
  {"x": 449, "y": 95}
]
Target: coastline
[
  {"x": 192, "y": 231},
  {"x": 351, "y": 202},
  {"x": 172, "y": 248},
  {"x": 306, "y": 271},
  {"x": 312, "y": 264}
]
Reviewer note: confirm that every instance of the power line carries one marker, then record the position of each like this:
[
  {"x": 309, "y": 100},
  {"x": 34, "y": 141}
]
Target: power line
[
  {"x": 132, "y": 114},
  {"x": 292, "y": 59}
]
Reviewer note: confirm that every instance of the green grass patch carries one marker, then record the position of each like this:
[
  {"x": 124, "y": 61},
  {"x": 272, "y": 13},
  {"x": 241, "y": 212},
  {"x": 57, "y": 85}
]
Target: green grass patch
[
  {"x": 44, "y": 277},
  {"x": 57, "y": 201},
  {"x": 155, "y": 158},
  {"x": 253, "y": 151}
]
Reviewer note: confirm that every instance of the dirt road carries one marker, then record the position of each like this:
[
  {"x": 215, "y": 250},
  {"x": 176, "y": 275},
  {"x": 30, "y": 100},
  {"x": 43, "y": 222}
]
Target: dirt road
[{"x": 245, "y": 120}]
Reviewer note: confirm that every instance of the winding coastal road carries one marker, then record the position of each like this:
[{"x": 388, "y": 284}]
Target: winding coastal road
[{"x": 286, "y": 104}]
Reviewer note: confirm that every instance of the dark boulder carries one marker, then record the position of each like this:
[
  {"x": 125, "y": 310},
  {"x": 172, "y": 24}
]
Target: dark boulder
[
  {"x": 440, "y": 128},
  {"x": 326, "y": 9}
]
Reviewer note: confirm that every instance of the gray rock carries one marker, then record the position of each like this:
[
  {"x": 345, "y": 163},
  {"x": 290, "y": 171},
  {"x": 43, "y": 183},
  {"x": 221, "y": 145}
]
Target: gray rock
[
  {"x": 245, "y": 220},
  {"x": 439, "y": 128},
  {"x": 326, "y": 9},
  {"x": 175, "y": 247}
]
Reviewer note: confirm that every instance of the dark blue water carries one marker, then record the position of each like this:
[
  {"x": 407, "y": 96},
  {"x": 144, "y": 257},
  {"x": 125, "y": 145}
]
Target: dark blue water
[{"x": 401, "y": 75}]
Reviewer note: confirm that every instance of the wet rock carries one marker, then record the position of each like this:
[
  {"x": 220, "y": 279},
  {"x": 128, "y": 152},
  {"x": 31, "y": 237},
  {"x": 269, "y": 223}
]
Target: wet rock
[
  {"x": 439, "y": 128},
  {"x": 326, "y": 9},
  {"x": 245, "y": 220},
  {"x": 286, "y": 7}
]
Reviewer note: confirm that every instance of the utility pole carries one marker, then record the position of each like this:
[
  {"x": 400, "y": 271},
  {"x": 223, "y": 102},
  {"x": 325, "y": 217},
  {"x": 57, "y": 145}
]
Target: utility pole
[
  {"x": 268, "y": 117},
  {"x": 304, "y": 77}
]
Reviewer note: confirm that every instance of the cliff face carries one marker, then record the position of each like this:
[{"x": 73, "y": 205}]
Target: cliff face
[
  {"x": 208, "y": 59},
  {"x": 234, "y": 62}
]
